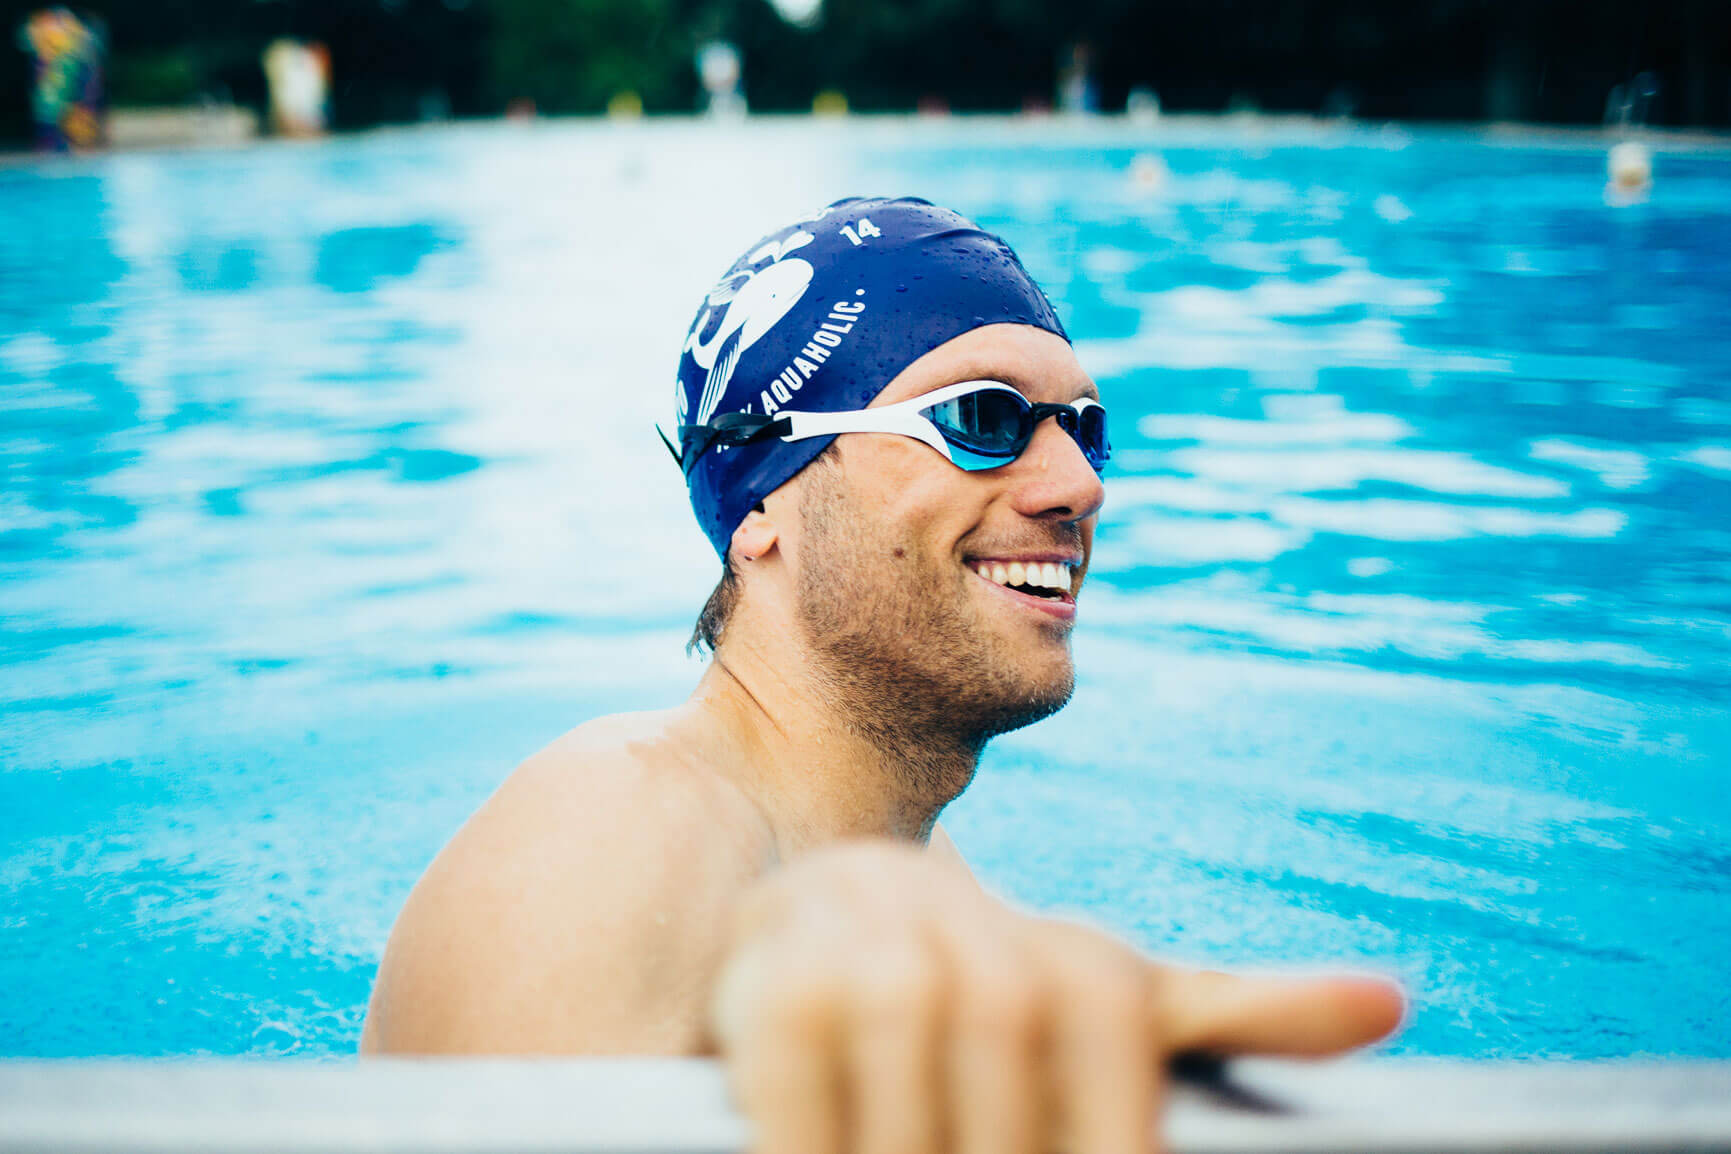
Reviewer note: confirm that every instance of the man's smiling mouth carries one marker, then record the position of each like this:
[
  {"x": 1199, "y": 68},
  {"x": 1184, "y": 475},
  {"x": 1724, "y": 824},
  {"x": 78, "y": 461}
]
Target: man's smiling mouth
[{"x": 1050, "y": 580}]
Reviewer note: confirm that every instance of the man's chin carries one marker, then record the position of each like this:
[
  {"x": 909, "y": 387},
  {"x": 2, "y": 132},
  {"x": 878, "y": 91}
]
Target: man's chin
[{"x": 1035, "y": 696}]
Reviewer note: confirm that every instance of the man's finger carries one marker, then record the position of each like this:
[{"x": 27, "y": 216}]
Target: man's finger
[
  {"x": 1103, "y": 1063},
  {"x": 1302, "y": 1017},
  {"x": 891, "y": 1050},
  {"x": 995, "y": 1072},
  {"x": 780, "y": 1035}
]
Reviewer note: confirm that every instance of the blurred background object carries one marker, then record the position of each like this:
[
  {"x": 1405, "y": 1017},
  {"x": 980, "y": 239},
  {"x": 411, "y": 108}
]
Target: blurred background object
[
  {"x": 1629, "y": 164},
  {"x": 829, "y": 102},
  {"x": 1142, "y": 105},
  {"x": 65, "y": 52},
  {"x": 1148, "y": 172},
  {"x": 299, "y": 76},
  {"x": 1628, "y": 105},
  {"x": 207, "y": 123},
  {"x": 1078, "y": 90},
  {"x": 402, "y": 61},
  {"x": 718, "y": 66},
  {"x": 1629, "y": 169}
]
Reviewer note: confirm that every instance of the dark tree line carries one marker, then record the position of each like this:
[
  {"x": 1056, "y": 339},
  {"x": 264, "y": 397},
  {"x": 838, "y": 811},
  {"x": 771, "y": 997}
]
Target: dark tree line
[{"x": 396, "y": 60}]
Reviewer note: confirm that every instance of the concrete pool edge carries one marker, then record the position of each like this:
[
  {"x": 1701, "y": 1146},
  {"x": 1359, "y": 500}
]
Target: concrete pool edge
[{"x": 456, "y": 1106}]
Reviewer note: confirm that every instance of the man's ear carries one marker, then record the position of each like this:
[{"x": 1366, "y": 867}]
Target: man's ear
[{"x": 756, "y": 535}]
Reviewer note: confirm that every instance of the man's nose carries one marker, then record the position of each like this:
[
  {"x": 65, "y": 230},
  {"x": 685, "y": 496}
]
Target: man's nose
[{"x": 1053, "y": 480}]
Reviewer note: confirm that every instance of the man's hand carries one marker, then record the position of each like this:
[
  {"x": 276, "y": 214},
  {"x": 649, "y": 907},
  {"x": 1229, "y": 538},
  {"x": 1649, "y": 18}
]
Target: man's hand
[{"x": 875, "y": 1001}]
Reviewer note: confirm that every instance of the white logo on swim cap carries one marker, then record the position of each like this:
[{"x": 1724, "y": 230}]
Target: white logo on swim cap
[{"x": 755, "y": 302}]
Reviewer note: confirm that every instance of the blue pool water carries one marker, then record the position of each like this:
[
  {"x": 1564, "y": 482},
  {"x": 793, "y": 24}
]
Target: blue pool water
[{"x": 330, "y": 493}]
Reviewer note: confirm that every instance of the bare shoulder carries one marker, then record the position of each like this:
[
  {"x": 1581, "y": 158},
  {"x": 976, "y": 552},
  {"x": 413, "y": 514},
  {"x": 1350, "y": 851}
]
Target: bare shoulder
[
  {"x": 580, "y": 910},
  {"x": 943, "y": 849}
]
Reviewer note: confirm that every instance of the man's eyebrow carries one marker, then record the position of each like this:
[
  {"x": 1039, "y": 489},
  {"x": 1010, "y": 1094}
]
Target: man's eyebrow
[{"x": 1021, "y": 383}]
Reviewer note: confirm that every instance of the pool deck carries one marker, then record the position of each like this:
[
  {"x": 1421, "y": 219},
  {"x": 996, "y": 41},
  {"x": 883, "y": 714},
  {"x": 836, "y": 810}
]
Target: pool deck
[
  {"x": 679, "y": 1106},
  {"x": 155, "y": 131}
]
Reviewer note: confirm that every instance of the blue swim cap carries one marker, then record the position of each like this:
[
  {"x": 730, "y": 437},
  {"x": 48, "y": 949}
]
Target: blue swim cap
[{"x": 819, "y": 317}]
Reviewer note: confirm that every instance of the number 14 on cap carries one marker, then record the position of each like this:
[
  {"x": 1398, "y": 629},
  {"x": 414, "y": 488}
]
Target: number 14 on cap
[{"x": 866, "y": 228}]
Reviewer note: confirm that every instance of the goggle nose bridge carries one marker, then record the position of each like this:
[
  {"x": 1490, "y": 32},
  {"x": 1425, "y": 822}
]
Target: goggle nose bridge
[{"x": 1069, "y": 418}]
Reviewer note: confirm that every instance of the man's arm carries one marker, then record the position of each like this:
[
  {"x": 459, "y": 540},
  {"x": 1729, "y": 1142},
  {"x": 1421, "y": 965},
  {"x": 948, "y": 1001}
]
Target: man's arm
[
  {"x": 583, "y": 909},
  {"x": 602, "y": 904}
]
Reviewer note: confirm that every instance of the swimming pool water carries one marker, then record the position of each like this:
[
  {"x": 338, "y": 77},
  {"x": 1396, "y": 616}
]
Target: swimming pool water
[{"x": 330, "y": 493}]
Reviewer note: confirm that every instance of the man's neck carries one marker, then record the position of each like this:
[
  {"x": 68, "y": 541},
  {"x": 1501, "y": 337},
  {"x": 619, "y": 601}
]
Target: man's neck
[{"x": 821, "y": 766}]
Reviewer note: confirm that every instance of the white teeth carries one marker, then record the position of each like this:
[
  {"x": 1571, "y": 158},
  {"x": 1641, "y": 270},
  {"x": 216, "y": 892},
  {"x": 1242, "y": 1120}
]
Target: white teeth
[{"x": 1045, "y": 574}]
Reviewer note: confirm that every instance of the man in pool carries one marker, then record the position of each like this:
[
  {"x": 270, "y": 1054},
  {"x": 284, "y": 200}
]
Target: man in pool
[{"x": 891, "y": 445}]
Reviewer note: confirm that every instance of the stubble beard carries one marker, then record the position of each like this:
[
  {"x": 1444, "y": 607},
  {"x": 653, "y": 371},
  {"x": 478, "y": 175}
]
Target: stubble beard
[{"x": 903, "y": 649}]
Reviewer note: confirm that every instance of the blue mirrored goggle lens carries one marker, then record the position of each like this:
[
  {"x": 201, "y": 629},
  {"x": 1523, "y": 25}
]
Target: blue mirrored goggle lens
[
  {"x": 1090, "y": 434},
  {"x": 1088, "y": 429},
  {"x": 990, "y": 424},
  {"x": 991, "y": 427}
]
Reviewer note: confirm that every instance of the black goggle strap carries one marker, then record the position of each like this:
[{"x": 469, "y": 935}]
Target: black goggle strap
[
  {"x": 1067, "y": 416},
  {"x": 727, "y": 429},
  {"x": 671, "y": 451}
]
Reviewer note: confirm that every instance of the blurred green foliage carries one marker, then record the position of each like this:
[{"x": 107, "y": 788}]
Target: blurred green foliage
[
  {"x": 573, "y": 55},
  {"x": 398, "y": 60},
  {"x": 143, "y": 79}
]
